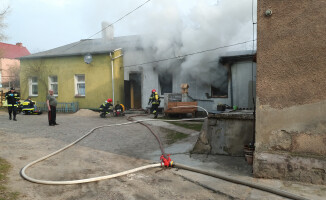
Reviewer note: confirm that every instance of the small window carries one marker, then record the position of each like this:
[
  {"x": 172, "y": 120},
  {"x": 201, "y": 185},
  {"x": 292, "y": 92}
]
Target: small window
[
  {"x": 33, "y": 86},
  {"x": 165, "y": 80},
  {"x": 219, "y": 92},
  {"x": 53, "y": 84},
  {"x": 80, "y": 85}
]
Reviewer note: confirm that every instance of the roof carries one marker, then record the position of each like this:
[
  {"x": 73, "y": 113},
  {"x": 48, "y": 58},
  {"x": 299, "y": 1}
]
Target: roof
[
  {"x": 232, "y": 56},
  {"x": 12, "y": 51},
  {"x": 92, "y": 46}
]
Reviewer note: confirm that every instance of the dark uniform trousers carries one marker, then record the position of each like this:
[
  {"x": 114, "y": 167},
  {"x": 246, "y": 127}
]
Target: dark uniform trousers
[{"x": 52, "y": 115}]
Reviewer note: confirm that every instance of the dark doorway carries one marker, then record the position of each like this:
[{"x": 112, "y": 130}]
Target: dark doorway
[{"x": 135, "y": 90}]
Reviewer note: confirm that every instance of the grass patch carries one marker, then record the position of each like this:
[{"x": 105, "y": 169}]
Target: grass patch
[
  {"x": 192, "y": 125},
  {"x": 173, "y": 136},
  {"x": 5, "y": 194}
]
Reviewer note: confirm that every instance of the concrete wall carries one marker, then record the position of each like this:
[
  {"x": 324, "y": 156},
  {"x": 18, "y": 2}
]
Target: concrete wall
[
  {"x": 228, "y": 133},
  {"x": 98, "y": 78},
  {"x": 291, "y": 96}
]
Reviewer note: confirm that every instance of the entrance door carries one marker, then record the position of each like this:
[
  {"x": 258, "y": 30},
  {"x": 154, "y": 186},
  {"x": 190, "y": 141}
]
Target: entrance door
[{"x": 135, "y": 90}]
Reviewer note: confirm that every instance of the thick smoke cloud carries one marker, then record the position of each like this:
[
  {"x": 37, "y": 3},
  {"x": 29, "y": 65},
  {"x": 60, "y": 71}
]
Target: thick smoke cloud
[{"x": 170, "y": 30}]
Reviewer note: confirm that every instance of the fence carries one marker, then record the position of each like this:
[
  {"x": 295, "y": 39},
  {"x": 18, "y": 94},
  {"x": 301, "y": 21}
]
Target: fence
[{"x": 61, "y": 107}]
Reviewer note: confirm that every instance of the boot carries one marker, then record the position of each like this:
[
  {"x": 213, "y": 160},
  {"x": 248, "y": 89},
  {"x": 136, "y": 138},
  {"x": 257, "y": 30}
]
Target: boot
[
  {"x": 15, "y": 118},
  {"x": 9, "y": 117}
]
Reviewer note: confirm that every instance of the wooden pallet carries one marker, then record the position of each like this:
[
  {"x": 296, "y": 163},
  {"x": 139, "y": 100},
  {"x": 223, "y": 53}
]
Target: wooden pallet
[{"x": 181, "y": 108}]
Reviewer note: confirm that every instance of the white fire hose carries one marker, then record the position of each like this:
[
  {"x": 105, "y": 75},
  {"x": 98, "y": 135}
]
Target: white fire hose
[
  {"x": 48, "y": 182},
  {"x": 223, "y": 177}
]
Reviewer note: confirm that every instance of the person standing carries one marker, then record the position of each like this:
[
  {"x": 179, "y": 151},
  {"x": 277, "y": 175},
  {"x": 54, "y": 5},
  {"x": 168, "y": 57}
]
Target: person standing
[
  {"x": 52, "y": 104},
  {"x": 12, "y": 98},
  {"x": 155, "y": 100}
]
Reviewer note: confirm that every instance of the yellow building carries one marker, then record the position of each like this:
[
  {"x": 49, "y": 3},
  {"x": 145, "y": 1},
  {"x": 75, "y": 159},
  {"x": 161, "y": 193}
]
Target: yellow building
[{"x": 87, "y": 72}]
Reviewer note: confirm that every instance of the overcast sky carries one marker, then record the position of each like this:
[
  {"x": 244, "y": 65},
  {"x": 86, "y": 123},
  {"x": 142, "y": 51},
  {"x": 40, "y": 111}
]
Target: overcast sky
[{"x": 45, "y": 24}]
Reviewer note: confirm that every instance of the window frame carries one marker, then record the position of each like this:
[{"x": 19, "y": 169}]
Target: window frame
[
  {"x": 53, "y": 83},
  {"x": 30, "y": 86},
  {"x": 79, "y": 82}
]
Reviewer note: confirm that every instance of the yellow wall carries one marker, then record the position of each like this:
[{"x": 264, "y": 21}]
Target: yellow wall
[{"x": 98, "y": 78}]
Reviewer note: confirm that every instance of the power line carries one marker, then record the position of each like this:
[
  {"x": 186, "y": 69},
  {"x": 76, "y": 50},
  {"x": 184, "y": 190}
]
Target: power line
[
  {"x": 190, "y": 54},
  {"x": 110, "y": 24}
]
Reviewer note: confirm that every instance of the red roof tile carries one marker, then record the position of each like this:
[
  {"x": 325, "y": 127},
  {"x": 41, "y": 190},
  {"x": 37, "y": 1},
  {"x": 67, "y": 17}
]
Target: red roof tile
[{"x": 13, "y": 51}]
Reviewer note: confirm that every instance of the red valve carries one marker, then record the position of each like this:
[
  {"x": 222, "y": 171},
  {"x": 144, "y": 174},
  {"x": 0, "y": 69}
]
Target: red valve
[{"x": 167, "y": 162}]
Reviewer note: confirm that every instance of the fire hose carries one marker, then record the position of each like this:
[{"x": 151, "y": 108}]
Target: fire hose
[{"x": 165, "y": 160}]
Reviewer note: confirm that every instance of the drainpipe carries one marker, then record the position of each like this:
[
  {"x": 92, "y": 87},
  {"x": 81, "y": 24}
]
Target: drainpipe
[
  {"x": 230, "y": 67},
  {"x": 112, "y": 69}
]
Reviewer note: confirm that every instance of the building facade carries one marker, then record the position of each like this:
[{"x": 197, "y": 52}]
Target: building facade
[
  {"x": 10, "y": 63},
  {"x": 72, "y": 78},
  {"x": 291, "y": 97}
]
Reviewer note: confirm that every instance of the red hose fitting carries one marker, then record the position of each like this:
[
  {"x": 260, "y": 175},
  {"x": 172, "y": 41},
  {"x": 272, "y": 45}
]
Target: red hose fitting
[{"x": 167, "y": 162}]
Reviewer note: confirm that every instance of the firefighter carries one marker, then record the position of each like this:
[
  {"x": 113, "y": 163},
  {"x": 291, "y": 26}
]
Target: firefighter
[
  {"x": 28, "y": 106},
  {"x": 155, "y": 100},
  {"x": 106, "y": 107},
  {"x": 12, "y": 99}
]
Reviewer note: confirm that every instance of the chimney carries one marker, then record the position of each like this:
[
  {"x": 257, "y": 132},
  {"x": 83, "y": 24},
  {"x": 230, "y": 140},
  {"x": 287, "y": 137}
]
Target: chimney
[
  {"x": 107, "y": 31},
  {"x": 19, "y": 44}
]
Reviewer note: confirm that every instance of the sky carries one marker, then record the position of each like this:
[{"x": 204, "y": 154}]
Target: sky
[{"x": 196, "y": 24}]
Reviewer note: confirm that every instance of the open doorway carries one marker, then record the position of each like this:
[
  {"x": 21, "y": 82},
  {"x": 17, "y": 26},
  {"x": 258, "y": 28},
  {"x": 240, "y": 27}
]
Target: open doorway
[{"x": 135, "y": 90}]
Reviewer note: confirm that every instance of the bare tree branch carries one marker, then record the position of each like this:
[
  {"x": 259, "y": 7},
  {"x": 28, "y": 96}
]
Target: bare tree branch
[
  {"x": 5, "y": 11},
  {"x": 3, "y": 14}
]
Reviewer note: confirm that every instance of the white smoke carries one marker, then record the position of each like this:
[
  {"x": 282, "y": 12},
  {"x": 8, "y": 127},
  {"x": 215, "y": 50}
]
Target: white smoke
[{"x": 171, "y": 30}]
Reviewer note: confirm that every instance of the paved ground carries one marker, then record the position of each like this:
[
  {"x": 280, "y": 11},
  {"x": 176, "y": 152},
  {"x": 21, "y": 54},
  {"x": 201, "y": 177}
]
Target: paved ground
[{"x": 113, "y": 149}]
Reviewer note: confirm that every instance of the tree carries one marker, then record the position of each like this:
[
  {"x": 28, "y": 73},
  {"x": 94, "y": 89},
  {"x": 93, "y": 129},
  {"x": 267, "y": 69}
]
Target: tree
[
  {"x": 35, "y": 68},
  {"x": 3, "y": 14}
]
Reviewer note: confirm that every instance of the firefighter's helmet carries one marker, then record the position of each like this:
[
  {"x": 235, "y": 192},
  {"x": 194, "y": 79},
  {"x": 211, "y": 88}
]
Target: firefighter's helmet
[
  {"x": 109, "y": 100},
  {"x": 153, "y": 90}
]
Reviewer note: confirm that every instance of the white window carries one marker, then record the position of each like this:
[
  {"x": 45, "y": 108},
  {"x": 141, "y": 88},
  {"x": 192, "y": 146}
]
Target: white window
[
  {"x": 53, "y": 84},
  {"x": 80, "y": 85},
  {"x": 33, "y": 86}
]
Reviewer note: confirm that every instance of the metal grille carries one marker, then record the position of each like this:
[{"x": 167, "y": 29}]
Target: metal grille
[{"x": 61, "y": 107}]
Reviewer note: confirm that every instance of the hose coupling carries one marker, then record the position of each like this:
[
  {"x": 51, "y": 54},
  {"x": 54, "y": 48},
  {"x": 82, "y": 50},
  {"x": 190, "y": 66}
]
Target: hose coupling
[{"x": 166, "y": 161}]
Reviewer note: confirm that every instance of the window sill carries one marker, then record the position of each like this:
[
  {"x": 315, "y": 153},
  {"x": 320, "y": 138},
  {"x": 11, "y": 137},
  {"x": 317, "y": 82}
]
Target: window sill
[
  {"x": 79, "y": 96},
  {"x": 219, "y": 97}
]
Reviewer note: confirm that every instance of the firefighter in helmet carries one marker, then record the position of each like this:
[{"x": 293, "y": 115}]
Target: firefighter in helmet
[
  {"x": 155, "y": 100},
  {"x": 12, "y": 99},
  {"x": 106, "y": 107}
]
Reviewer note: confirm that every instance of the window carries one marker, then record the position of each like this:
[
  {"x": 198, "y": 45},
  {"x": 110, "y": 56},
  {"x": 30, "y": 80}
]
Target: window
[
  {"x": 165, "y": 80},
  {"x": 219, "y": 92},
  {"x": 80, "y": 85},
  {"x": 53, "y": 84},
  {"x": 33, "y": 86},
  {"x": 220, "y": 82}
]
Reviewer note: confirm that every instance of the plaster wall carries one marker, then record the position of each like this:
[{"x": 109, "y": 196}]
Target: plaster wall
[
  {"x": 98, "y": 79},
  {"x": 149, "y": 76},
  {"x": 5, "y": 66},
  {"x": 291, "y": 96},
  {"x": 244, "y": 84}
]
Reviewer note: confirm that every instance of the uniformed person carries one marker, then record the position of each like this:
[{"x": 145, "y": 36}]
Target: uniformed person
[
  {"x": 106, "y": 107},
  {"x": 12, "y": 99},
  {"x": 155, "y": 100}
]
